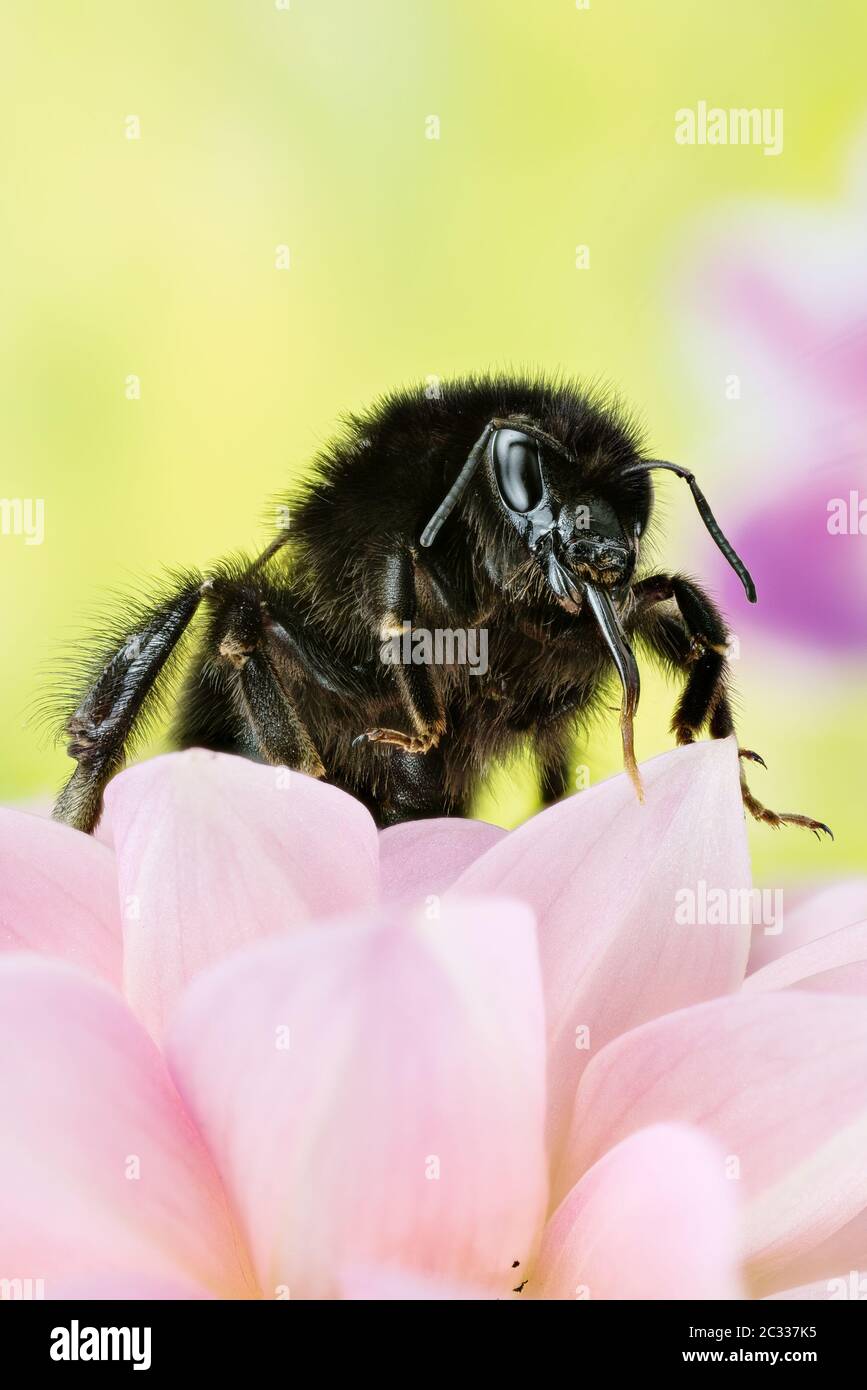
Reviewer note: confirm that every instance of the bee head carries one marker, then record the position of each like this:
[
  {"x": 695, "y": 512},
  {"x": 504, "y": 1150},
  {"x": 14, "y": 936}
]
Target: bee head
[
  {"x": 567, "y": 527},
  {"x": 586, "y": 543},
  {"x": 580, "y": 534}
]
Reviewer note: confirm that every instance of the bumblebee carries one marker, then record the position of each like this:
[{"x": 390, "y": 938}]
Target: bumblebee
[{"x": 510, "y": 506}]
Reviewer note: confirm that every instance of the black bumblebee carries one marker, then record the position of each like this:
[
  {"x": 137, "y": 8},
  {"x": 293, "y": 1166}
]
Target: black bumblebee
[{"x": 507, "y": 507}]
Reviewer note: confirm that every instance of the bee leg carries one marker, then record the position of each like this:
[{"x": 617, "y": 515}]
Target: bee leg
[
  {"x": 280, "y": 732},
  {"x": 264, "y": 662},
  {"x": 420, "y": 699},
  {"x": 106, "y": 716},
  {"x": 555, "y": 775},
  {"x": 696, "y": 641},
  {"x": 416, "y": 685},
  {"x": 721, "y": 726},
  {"x": 416, "y": 789}
]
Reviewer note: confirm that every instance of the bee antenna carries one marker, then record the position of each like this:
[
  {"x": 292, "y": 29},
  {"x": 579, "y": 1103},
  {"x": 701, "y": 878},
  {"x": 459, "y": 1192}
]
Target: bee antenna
[
  {"x": 707, "y": 517},
  {"x": 457, "y": 489}
]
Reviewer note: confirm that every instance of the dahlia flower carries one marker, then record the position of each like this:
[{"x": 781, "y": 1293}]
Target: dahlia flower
[
  {"x": 255, "y": 1049},
  {"x": 782, "y": 356}
]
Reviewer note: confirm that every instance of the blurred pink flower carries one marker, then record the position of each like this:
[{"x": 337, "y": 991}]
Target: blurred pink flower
[
  {"x": 254, "y": 1049},
  {"x": 777, "y": 310}
]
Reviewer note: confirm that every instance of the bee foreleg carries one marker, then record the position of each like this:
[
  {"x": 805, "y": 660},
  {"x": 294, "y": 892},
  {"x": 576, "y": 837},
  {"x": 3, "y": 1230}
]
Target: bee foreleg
[
  {"x": 416, "y": 683},
  {"x": 721, "y": 726},
  {"x": 695, "y": 641}
]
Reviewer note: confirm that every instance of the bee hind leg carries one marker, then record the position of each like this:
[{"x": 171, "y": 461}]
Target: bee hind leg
[{"x": 125, "y": 680}]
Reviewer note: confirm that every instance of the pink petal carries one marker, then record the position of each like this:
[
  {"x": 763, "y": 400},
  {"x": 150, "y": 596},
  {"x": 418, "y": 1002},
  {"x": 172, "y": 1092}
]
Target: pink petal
[
  {"x": 848, "y": 1286},
  {"x": 58, "y": 894},
  {"x": 101, "y": 1285},
  {"x": 842, "y": 1251},
  {"x": 335, "y": 1073},
  {"x": 214, "y": 852},
  {"x": 424, "y": 857},
  {"x": 101, "y": 1170},
  {"x": 372, "y": 1283},
  {"x": 812, "y": 917},
  {"x": 843, "y": 947},
  {"x": 845, "y": 979},
  {"x": 780, "y": 1080},
  {"x": 603, "y": 875},
  {"x": 655, "y": 1218}
]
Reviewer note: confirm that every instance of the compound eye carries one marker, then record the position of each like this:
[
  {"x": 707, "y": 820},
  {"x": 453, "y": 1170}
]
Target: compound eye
[{"x": 517, "y": 470}]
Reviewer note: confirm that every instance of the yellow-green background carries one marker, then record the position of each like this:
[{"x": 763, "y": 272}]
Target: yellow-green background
[{"x": 262, "y": 125}]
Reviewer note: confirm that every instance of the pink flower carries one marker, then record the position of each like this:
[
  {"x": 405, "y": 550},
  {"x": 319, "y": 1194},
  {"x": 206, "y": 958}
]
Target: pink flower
[
  {"x": 254, "y": 1049},
  {"x": 776, "y": 333}
]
